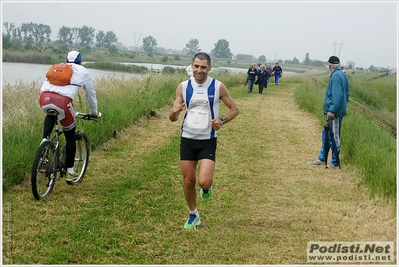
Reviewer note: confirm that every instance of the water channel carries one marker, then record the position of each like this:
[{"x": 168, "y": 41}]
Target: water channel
[{"x": 13, "y": 73}]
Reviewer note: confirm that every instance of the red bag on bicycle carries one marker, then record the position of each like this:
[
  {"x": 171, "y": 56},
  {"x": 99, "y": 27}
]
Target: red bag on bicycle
[{"x": 59, "y": 74}]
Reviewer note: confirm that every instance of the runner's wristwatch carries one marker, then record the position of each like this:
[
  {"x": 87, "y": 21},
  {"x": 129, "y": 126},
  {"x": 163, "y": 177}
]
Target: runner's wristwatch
[{"x": 222, "y": 121}]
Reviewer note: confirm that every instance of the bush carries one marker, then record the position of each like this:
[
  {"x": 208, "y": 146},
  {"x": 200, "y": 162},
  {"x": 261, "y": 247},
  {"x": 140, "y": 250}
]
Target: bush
[
  {"x": 164, "y": 58},
  {"x": 168, "y": 70}
]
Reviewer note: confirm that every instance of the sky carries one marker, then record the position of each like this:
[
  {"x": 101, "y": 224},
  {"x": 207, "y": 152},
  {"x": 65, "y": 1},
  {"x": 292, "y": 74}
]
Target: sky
[{"x": 365, "y": 32}]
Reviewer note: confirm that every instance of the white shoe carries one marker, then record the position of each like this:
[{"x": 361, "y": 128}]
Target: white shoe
[{"x": 316, "y": 162}]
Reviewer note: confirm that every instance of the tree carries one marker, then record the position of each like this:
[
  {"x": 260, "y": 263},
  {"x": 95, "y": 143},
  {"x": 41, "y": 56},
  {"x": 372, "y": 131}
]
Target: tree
[
  {"x": 74, "y": 35},
  {"x": 193, "y": 47},
  {"x": 112, "y": 49},
  {"x": 109, "y": 38},
  {"x": 149, "y": 44},
  {"x": 222, "y": 49},
  {"x": 9, "y": 28},
  {"x": 295, "y": 61},
  {"x": 307, "y": 60},
  {"x": 47, "y": 31},
  {"x": 41, "y": 33},
  {"x": 262, "y": 58},
  {"x": 26, "y": 30},
  {"x": 64, "y": 35},
  {"x": 16, "y": 33},
  {"x": 86, "y": 35},
  {"x": 100, "y": 39},
  {"x": 6, "y": 41}
]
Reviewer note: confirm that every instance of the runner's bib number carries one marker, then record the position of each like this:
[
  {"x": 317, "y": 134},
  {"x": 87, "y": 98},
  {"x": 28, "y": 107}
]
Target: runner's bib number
[{"x": 198, "y": 119}]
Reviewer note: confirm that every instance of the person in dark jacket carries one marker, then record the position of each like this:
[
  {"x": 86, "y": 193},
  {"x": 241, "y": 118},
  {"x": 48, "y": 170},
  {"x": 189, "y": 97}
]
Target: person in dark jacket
[
  {"x": 335, "y": 104},
  {"x": 251, "y": 77},
  {"x": 269, "y": 71},
  {"x": 262, "y": 79}
]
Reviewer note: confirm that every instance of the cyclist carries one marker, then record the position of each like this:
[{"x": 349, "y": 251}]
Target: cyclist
[{"x": 61, "y": 98}]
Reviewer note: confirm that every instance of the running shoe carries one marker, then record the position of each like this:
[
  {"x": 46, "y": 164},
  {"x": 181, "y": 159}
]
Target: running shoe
[
  {"x": 71, "y": 176},
  {"x": 192, "y": 222},
  {"x": 206, "y": 195},
  {"x": 317, "y": 162}
]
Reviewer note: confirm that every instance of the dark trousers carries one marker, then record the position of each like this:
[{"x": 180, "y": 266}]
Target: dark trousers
[{"x": 262, "y": 85}]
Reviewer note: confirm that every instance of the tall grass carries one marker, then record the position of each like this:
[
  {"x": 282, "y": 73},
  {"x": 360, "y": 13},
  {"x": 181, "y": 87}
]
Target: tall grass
[
  {"x": 373, "y": 151},
  {"x": 365, "y": 145},
  {"x": 379, "y": 94},
  {"x": 122, "y": 101},
  {"x": 30, "y": 57}
]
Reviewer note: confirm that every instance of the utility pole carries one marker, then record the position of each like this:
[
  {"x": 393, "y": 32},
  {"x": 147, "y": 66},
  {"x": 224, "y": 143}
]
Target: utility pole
[
  {"x": 340, "y": 47},
  {"x": 137, "y": 41}
]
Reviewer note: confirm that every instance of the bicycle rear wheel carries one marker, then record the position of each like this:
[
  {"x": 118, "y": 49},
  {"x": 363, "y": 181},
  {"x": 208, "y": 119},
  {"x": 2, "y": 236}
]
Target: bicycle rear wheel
[
  {"x": 81, "y": 157},
  {"x": 43, "y": 170}
]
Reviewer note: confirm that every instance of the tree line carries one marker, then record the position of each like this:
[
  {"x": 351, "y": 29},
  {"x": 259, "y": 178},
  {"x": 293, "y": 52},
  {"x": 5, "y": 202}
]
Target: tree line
[
  {"x": 40, "y": 33},
  {"x": 87, "y": 36}
]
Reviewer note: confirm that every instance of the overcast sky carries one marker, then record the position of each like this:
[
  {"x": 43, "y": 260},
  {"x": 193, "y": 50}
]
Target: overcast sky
[{"x": 364, "y": 32}]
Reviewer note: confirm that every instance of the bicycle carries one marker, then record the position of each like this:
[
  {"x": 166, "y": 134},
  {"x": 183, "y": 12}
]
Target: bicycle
[{"x": 50, "y": 160}]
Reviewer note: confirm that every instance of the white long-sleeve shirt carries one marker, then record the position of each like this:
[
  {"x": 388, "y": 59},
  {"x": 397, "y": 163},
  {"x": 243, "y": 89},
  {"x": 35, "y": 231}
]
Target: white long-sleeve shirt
[
  {"x": 80, "y": 77},
  {"x": 189, "y": 71}
]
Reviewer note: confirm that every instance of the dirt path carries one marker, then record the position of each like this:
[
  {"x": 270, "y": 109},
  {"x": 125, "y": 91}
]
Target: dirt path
[
  {"x": 268, "y": 202},
  {"x": 262, "y": 161}
]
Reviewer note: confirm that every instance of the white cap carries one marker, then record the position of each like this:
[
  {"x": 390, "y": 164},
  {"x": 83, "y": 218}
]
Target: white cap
[{"x": 74, "y": 57}]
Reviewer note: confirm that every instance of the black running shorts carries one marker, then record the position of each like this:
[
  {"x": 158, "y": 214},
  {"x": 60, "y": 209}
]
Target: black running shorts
[{"x": 191, "y": 149}]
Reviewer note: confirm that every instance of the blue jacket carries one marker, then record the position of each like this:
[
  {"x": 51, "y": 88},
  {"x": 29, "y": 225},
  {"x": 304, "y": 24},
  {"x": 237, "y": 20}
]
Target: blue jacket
[{"x": 337, "y": 94}]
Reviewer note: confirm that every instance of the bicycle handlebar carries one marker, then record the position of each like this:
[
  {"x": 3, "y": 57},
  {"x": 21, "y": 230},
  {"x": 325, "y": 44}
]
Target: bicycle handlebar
[{"x": 87, "y": 116}]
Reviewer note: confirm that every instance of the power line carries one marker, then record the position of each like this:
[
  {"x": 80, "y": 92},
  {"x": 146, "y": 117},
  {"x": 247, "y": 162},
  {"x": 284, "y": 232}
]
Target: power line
[
  {"x": 137, "y": 41},
  {"x": 340, "y": 47}
]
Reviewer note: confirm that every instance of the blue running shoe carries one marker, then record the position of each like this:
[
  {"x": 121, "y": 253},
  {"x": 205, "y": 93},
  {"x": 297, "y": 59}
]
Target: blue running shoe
[{"x": 192, "y": 222}]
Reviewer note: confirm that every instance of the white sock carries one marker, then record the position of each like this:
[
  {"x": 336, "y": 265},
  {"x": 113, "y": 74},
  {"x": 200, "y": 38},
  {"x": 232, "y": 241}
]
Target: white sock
[
  {"x": 194, "y": 212},
  {"x": 70, "y": 170}
]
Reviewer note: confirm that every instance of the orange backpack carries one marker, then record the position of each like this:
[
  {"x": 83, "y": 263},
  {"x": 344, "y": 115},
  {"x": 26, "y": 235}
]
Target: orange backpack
[{"x": 59, "y": 74}]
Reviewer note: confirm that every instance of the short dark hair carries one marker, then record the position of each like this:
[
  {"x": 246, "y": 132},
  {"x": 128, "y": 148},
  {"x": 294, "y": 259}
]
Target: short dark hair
[{"x": 203, "y": 56}]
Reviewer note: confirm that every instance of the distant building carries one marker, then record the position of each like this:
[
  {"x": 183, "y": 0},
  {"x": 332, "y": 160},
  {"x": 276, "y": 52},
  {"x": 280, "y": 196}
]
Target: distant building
[
  {"x": 244, "y": 57},
  {"x": 173, "y": 51},
  {"x": 133, "y": 48}
]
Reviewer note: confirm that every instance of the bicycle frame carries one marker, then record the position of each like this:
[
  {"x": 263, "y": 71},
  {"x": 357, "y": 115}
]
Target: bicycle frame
[{"x": 50, "y": 159}]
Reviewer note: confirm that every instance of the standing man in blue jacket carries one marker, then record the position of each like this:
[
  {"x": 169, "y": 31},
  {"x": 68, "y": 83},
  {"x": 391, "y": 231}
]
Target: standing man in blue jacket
[{"x": 335, "y": 103}]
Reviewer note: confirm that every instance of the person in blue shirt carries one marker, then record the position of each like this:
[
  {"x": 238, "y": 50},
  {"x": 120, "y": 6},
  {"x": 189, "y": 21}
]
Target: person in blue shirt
[
  {"x": 335, "y": 106},
  {"x": 277, "y": 72},
  {"x": 258, "y": 68}
]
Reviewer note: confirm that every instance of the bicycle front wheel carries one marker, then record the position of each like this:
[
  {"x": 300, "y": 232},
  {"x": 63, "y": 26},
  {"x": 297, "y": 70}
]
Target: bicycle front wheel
[
  {"x": 81, "y": 156},
  {"x": 43, "y": 170}
]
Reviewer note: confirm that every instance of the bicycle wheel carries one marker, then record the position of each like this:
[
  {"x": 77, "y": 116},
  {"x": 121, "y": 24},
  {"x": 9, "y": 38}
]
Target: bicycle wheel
[
  {"x": 43, "y": 170},
  {"x": 81, "y": 156}
]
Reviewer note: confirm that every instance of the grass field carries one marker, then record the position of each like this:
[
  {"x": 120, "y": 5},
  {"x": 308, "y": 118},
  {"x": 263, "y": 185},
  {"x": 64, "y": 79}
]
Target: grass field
[{"x": 268, "y": 203}]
